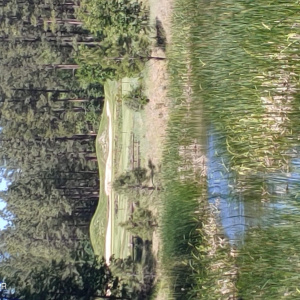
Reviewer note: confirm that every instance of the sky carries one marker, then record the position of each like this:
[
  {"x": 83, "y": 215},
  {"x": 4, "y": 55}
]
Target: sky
[{"x": 2, "y": 204}]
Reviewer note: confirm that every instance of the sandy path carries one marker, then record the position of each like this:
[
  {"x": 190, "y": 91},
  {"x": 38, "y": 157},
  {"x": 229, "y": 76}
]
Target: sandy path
[
  {"x": 157, "y": 110},
  {"x": 107, "y": 185}
]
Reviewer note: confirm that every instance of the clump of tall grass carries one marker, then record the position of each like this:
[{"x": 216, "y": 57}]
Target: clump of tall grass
[
  {"x": 244, "y": 73},
  {"x": 269, "y": 262},
  {"x": 184, "y": 194}
]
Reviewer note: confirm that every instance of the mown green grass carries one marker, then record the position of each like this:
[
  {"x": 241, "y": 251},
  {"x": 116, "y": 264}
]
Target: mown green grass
[
  {"x": 122, "y": 129},
  {"x": 122, "y": 121}
]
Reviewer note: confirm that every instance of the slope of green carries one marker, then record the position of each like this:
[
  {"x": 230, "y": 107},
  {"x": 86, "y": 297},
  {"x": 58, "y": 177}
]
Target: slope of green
[{"x": 99, "y": 221}]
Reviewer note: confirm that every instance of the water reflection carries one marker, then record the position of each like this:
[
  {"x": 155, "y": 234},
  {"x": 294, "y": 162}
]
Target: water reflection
[
  {"x": 266, "y": 198},
  {"x": 220, "y": 193}
]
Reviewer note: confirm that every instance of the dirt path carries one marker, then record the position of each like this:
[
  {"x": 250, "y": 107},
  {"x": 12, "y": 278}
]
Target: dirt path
[
  {"x": 156, "y": 111},
  {"x": 107, "y": 185},
  {"x": 157, "y": 115}
]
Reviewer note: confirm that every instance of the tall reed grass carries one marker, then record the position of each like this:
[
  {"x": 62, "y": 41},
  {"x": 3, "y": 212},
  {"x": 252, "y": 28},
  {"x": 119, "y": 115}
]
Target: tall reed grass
[{"x": 233, "y": 65}]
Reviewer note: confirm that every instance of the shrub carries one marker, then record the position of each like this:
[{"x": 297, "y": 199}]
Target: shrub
[{"x": 135, "y": 100}]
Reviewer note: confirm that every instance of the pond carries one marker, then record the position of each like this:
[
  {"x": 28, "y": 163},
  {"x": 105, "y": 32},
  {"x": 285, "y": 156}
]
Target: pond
[{"x": 236, "y": 214}]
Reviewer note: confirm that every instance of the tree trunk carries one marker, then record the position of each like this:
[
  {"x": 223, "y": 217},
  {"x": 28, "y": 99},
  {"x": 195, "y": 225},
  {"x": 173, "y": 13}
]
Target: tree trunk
[
  {"x": 62, "y": 67},
  {"x": 71, "y": 100}
]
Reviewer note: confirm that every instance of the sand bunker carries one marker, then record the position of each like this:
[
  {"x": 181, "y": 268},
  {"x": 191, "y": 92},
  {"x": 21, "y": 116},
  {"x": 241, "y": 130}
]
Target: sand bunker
[{"x": 107, "y": 186}]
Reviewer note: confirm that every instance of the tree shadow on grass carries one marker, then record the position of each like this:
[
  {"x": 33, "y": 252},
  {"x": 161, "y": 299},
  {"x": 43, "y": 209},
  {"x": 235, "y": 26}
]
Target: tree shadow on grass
[
  {"x": 160, "y": 37},
  {"x": 146, "y": 266},
  {"x": 151, "y": 166}
]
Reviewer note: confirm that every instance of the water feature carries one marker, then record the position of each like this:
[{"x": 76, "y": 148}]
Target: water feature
[
  {"x": 232, "y": 216},
  {"x": 235, "y": 216}
]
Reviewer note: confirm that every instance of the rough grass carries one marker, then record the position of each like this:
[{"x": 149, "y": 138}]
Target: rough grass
[{"x": 238, "y": 63}]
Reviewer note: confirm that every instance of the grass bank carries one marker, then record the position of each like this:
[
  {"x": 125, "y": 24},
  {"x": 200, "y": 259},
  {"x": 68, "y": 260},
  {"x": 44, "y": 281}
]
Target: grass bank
[{"x": 190, "y": 253}]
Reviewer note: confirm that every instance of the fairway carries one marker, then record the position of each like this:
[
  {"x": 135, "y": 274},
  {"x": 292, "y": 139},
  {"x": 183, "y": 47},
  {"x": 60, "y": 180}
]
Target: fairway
[{"x": 122, "y": 127}]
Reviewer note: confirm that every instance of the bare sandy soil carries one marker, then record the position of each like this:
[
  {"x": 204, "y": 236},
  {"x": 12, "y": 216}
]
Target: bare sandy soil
[
  {"x": 107, "y": 186},
  {"x": 156, "y": 111}
]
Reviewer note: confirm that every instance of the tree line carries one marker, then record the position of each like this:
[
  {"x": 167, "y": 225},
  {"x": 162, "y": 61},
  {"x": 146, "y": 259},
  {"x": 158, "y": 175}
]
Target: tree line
[{"x": 55, "y": 57}]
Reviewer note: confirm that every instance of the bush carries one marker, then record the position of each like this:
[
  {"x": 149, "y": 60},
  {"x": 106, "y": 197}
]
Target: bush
[
  {"x": 130, "y": 180},
  {"x": 135, "y": 100}
]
